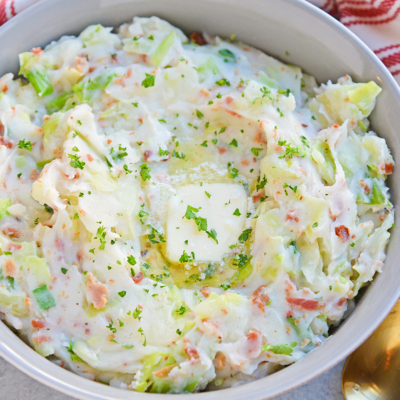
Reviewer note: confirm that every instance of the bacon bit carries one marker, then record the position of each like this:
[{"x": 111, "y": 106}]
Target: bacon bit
[
  {"x": 164, "y": 371},
  {"x": 10, "y": 268},
  {"x": 341, "y": 301},
  {"x": 91, "y": 69},
  {"x": 79, "y": 255},
  {"x": 198, "y": 38},
  {"x": 367, "y": 190},
  {"x": 342, "y": 232},
  {"x": 28, "y": 301},
  {"x": 246, "y": 49},
  {"x": 304, "y": 125},
  {"x": 253, "y": 344},
  {"x": 259, "y": 138},
  {"x": 12, "y": 246},
  {"x": 388, "y": 169},
  {"x": 191, "y": 351},
  {"x": 333, "y": 217},
  {"x": 96, "y": 292},
  {"x": 59, "y": 244},
  {"x": 259, "y": 299},
  {"x": 290, "y": 314},
  {"x": 221, "y": 150},
  {"x": 233, "y": 113},
  {"x": 129, "y": 73},
  {"x": 87, "y": 331},
  {"x": 220, "y": 361},
  {"x": 147, "y": 154},
  {"x": 204, "y": 92},
  {"x": 1, "y": 130},
  {"x": 229, "y": 100},
  {"x": 12, "y": 232},
  {"x": 382, "y": 217},
  {"x": 138, "y": 277},
  {"x": 336, "y": 126},
  {"x": 205, "y": 291},
  {"x": 37, "y": 324},
  {"x": 41, "y": 339},
  {"x": 34, "y": 175},
  {"x": 56, "y": 151},
  {"x": 89, "y": 157},
  {"x": 141, "y": 120},
  {"x": 224, "y": 311},
  {"x": 256, "y": 197},
  {"x": 245, "y": 162},
  {"x": 3, "y": 142},
  {"x": 292, "y": 215},
  {"x": 109, "y": 141},
  {"x": 310, "y": 305},
  {"x": 5, "y": 88},
  {"x": 36, "y": 50}
]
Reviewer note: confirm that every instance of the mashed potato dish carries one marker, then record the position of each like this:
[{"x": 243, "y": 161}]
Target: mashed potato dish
[{"x": 183, "y": 213}]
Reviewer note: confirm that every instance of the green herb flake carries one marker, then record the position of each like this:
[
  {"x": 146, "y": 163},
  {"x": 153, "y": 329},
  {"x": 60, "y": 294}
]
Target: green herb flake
[
  {"x": 26, "y": 145},
  {"x": 148, "y": 81}
]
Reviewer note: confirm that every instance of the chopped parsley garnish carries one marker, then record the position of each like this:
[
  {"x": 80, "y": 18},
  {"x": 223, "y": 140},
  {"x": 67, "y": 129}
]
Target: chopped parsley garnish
[
  {"x": 233, "y": 143},
  {"x": 148, "y": 81},
  {"x": 304, "y": 141},
  {"x": 204, "y": 144},
  {"x": 140, "y": 330},
  {"x": 284, "y": 92},
  {"x": 136, "y": 313},
  {"x": 182, "y": 310},
  {"x": 290, "y": 150},
  {"x": 101, "y": 235},
  {"x": 185, "y": 257},
  {"x": 227, "y": 53},
  {"x": 199, "y": 114},
  {"x": 212, "y": 235},
  {"x": 162, "y": 152},
  {"x": 256, "y": 151},
  {"x": 44, "y": 297},
  {"x": 286, "y": 185},
  {"x": 145, "y": 172},
  {"x": 262, "y": 183},
  {"x": 315, "y": 224},
  {"x": 132, "y": 261},
  {"x": 122, "y": 293},
  {"x": 27, "y": 145},
  {"x": 245, "y": 235},
  {"x": 223, "y": 82},
  {"x": 352, "y": 244},
  {"x": 208, "y": 194},
  {"x": 64, "y": 270},
  {"x": 128, "y": 171},
  {"x": 111, "y": 327},
  {"x": 135, "y": 104},
  {"x": 215, "y": 141},
  {"x": 76, "y": 216},
  {"x": 225, "y": 286},
  {"x": 237, "y": 212},
  {"x": 266, "y": 92},
  {"x": 177, "y": 155},
  {"x": 76, "y": 162},
  {"x": 143, "y": 214}
]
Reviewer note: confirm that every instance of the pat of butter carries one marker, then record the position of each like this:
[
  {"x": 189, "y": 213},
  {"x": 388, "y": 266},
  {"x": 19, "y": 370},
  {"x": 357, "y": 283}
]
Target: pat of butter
[{"x": 218, "y": 209}]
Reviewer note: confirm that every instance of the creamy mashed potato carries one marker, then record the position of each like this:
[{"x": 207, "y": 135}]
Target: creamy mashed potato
[{"x": 180, "y": 214}]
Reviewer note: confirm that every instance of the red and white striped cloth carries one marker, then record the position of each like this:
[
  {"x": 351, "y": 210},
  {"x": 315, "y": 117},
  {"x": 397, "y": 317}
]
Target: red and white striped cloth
[{"x": 376, "y": 22}]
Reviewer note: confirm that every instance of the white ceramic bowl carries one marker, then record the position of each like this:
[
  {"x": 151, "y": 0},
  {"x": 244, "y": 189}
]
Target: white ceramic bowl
[{"x": 314, "y": 41}]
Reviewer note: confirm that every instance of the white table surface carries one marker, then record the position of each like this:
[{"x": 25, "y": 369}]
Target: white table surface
[{"x": 14, "y": 385}]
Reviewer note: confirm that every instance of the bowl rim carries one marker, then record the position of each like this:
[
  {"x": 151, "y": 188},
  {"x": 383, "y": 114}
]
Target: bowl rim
[{"x": 15, "y": 351}]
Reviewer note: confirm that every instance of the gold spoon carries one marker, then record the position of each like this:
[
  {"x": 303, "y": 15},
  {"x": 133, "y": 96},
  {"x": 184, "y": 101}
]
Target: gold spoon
[{"x": 372, "y": 372}]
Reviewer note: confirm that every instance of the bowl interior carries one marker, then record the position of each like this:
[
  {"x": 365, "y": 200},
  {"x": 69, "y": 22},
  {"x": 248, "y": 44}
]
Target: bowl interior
[{"x": 290, "y": 30}]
